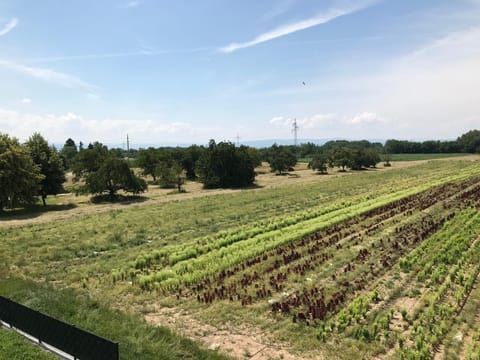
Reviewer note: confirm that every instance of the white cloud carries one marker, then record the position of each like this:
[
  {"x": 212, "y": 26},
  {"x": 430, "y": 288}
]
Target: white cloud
[
  {"x": 52, "y": 76},
  {"x": 366, "y": 118},
  {"x": 26, "y": 101},
  {"x": 9, "y": 26},
  {"x": 433, "y": 92},
  {"x": 281, "y": 121},
  {"x": 294, "y": 27},
  {"x": 309, "y": 122},
  {"x": 57, "y": 128}
]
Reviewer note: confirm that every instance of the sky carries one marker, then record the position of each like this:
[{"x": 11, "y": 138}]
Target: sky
[{"x": 184, "y": 71}]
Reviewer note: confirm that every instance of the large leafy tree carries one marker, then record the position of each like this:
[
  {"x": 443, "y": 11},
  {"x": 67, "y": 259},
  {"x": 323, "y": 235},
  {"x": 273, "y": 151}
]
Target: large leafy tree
[
  {"x": 224, "y": 165},
  {"x": 191, "y": 155},
  {"x": 470, "y": 141},
  {"x": 114, "y": 175},
  {"x": 104, "y": 172},
  {"x": 69, "y": 153},
  {"x": 319, "y": 162},
  {"x": 281, "y": 158},
  {"x": 90, "y": 160},
  {"x": 342, "y": 157},
  {"x": 148, "y": 160},
  {"x": 50, "y": 164},
  {"x": 19, "y": 177}
]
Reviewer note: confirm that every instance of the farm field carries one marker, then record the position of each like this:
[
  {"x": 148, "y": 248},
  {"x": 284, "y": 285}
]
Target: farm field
[
  {"x": 376, "y": 264},
  {"x": 415, "y": 157}
]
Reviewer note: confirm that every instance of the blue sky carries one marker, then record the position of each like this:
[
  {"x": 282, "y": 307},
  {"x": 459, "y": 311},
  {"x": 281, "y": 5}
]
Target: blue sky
[{"x": 187, "y": 71}]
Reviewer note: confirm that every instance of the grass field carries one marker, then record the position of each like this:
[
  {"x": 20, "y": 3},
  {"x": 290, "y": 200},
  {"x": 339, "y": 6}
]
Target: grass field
[
  {"x": 369, "y": 264},
  {"x": 414, "y": 157},
  {"x": 410, "y": 157},
  {"x": 14, "y": 347}
]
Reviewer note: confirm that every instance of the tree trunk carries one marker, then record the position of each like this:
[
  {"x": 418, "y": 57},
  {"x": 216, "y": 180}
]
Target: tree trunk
[{"x": 43, "y": 199}]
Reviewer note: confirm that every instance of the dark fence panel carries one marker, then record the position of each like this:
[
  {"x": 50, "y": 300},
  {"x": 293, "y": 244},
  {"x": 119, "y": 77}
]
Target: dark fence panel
[{"x": 68, "y": 338}]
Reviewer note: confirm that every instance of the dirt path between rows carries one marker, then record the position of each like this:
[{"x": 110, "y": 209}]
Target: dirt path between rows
[{"x": 240, "y": 342}]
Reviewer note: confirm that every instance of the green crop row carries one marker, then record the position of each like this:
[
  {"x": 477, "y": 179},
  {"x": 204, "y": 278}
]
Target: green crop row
[
  {"x": 196, "y": 269},
  {"x": 431, "y": 324}
]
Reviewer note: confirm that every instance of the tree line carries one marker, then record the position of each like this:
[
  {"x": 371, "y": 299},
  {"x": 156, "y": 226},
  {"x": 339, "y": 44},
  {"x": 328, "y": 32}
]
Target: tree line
[{"x": 34, "y": 170}]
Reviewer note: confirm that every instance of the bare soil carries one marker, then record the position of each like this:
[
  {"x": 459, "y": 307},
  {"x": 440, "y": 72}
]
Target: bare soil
[{"x": 240, "y": 342}]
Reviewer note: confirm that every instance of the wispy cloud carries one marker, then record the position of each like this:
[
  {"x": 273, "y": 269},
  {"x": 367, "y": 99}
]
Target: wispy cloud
[
  {"x": 52, "y": 76},
  {"x": 9, "y": 26},
  {"x": 284, "y": 30},
  {"x": 280, "y": 8},
  {"x": 26, "y": 101},
  {"x": 146, "y": 51},
  {"x": 133, "y": 3}
]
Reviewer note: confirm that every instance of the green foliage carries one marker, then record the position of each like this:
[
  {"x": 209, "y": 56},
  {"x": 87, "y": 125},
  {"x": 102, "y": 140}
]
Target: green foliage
[
  {"x": 19, "y": 177},
  {"x": 224, "y": 165},
  {"x": 114, "y": 175},
  {"x": 149, "y": 160},
  {"x": 69, "y": 153},
  {"x": 342, "y": 157},
  {"x": 470, "y": 141},
  {"x": 281, "y": 158},
  {"x": 90, "y": 160},
  {"x": 50, "y": 164},
  {"x": 319, "y": 162}
]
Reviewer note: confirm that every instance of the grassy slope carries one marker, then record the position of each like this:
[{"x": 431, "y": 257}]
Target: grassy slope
[
  {"x": 137, "y": 339},
  {"x": 413, "y": 157},
  {"x": 14, "y": 347}
]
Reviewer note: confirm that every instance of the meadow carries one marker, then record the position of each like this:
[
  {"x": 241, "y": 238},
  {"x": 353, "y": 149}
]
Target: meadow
[{"x": 377, "y": 264}]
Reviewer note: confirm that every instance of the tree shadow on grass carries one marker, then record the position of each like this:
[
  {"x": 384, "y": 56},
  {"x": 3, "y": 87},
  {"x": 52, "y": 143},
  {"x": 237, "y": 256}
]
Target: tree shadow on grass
[
  {"x": 33, "y": 211},
  {"x": 118, "y": 199},
  {"x": 288, "y": 174}
]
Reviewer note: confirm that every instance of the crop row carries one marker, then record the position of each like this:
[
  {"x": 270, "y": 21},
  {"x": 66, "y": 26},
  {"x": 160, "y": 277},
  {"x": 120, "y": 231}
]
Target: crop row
[
  {"x": 169, "y": 257},
  {"x": 265, "y": 275},
  {"x": 448, "y": 293},
  {"x": 192, "y": 271}
]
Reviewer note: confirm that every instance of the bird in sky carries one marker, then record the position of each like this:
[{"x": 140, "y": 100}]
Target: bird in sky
[{"x": 303, "y": 82}]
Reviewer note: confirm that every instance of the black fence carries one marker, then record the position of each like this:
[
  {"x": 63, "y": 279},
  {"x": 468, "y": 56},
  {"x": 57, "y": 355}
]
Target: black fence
[{"x": 76, "y": 342}]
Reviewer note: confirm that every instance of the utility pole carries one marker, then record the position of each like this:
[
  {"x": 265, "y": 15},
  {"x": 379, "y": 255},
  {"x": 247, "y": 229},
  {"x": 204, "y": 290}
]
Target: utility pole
[
  {"x": 295, "y": 131},
  {"x": 128, "y": 147},
  {"x": 238, "y": 140}
]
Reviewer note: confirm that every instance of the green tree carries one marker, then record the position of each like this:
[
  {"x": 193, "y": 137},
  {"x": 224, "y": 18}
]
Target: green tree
[
  {"x": 19, "y": 177},
  {"x": 149, "y": 160},
  {"x": 191, "y": 155},
  {"x": 281, "y": 158},
  {"x": 341, "y": 157},
  {"x": 69, "y": 153},
  {"x": 50, "y": 164},
  {"x": 319, "y": 162},
  {"x": 224, "y": 165},
  {"x": 114, "y": 175},
  {"x": 90, "y": 160},
  {"x": 171, "y": 174},
  {"x": 470, "y": 141},
  {"x": 255, "y": 155}
]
